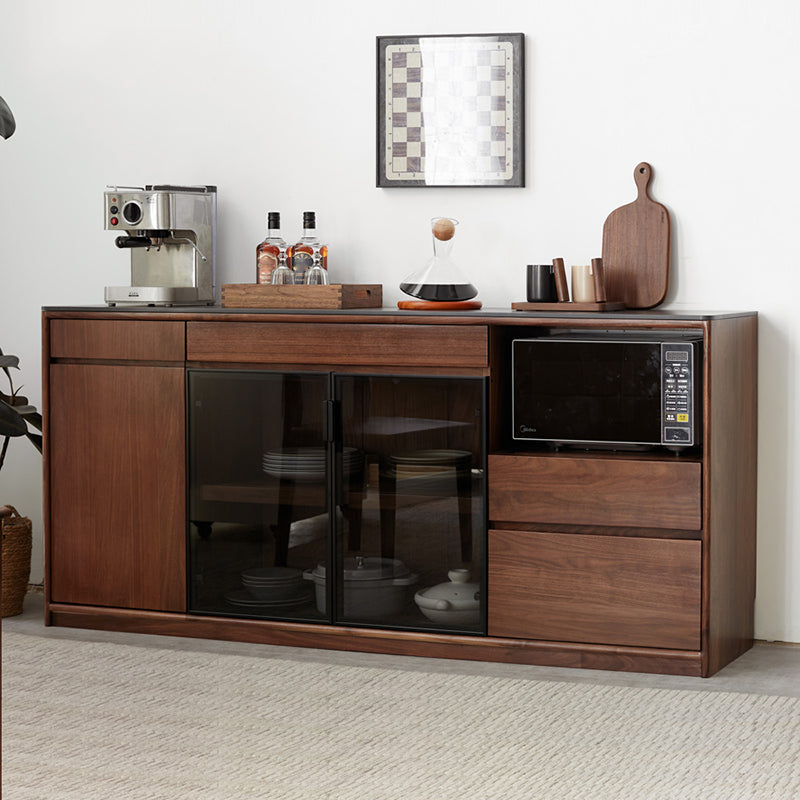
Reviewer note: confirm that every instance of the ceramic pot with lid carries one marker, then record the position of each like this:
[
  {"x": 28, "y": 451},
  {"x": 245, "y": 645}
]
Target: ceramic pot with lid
[
  {"x": 374, "y": 588},
  {"x": 456, "y": 602}
]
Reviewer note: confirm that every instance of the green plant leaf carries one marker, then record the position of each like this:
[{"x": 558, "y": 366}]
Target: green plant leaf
[
  {"x": 21, "y": 406},
  {"x": 16, "y": 414},
  {"x": 33, "y": 418},
  {"x": 11, "y": 423},
  {"x": 7, "y": 123},
  {"x": 5, "y": 363},
  {"x": 36, "y": 440}
]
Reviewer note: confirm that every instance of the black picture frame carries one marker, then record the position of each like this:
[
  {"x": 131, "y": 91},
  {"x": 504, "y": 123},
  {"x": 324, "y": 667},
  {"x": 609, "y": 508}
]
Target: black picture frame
[{"x": 451, "y": 110}]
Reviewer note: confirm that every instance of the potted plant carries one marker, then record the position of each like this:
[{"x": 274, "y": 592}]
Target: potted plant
[{"x": 17, "y": 418}]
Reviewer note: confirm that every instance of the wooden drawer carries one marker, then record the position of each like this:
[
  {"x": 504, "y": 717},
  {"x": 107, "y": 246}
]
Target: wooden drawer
[
  {"x": 146, "y": 340},
  {"x": 338, "y": 344},
  {"x": 595, "y": 490},
  {"x": 595, "y": 589}
]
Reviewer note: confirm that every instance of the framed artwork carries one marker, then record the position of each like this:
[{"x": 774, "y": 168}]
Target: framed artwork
[{"x": 451, "y": 110}]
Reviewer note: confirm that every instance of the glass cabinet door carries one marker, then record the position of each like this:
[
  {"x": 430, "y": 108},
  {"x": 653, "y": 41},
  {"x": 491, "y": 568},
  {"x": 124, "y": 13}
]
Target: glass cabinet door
[
  {"x": 258, "y": 492},
  {"x": 409, "y": 503}
]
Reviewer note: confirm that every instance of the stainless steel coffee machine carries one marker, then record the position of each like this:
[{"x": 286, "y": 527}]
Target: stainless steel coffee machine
[{"x": 171, "y": 232}]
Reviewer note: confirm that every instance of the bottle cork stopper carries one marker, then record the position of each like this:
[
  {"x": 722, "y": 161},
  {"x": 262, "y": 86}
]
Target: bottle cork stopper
[{"x": 444, "y": 229}]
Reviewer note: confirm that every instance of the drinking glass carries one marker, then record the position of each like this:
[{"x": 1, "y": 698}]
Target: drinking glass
[
  {"x": 317, "y": 275},
  {"x": 282, "y": 274}
]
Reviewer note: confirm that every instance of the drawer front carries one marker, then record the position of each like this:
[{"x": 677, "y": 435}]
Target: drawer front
[
  {"x": 335, "y": 344},
  {"x": 595, "y": 491},
  {"x": 595, "y": 589},
  {"x": 147, "y": 340}
]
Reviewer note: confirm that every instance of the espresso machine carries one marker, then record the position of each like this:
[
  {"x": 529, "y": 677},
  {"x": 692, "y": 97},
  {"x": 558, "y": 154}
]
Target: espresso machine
[{"x": 171, "y": 232}]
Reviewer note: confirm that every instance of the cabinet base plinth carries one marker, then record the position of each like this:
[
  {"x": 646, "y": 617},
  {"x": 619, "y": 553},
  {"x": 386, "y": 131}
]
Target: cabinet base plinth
[{"x": 369, "y": 640}]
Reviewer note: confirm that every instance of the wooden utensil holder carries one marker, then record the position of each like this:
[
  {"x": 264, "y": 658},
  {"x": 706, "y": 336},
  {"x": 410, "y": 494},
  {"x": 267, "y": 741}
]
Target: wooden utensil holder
[{"x": 562, "y": 290}]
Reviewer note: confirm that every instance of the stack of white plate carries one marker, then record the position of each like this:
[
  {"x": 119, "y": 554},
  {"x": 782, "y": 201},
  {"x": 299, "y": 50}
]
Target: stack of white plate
[
  {"x": 272, "y": 583},
  {"x": 307, "y": 464},
  {"x": 271, "y": 588},
  {"x": 434, "y": 458},
  {"x": 243, "y": 599}
]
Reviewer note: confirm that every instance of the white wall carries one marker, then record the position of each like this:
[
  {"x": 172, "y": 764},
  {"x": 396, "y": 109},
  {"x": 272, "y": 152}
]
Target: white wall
[{"x": 274, "y": 103}]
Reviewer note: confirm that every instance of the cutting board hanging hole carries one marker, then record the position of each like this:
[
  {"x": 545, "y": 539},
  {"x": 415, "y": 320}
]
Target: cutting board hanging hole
[{"x": 642, "y": 175}]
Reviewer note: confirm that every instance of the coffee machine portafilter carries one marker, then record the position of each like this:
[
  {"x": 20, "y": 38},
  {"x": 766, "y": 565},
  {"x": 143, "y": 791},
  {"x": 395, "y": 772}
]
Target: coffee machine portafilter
[{"x": 171, "y": 233}]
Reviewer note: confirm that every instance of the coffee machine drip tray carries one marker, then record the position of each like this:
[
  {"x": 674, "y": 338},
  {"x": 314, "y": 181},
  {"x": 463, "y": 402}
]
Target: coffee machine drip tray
[{"x": 154, "y": 296}]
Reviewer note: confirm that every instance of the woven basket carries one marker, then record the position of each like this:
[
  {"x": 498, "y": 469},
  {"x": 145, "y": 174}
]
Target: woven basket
[{"x": 16, "y": 561}]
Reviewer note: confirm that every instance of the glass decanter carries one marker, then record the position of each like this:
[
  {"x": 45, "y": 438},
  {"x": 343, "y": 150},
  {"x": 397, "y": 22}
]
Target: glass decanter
[{"x": 440, "y": 279}]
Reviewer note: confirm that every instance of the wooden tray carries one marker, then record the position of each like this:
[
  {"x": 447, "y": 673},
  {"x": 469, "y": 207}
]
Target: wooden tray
[
  {"x": 606, "y": 306},
  {"x": 335, "y": 295},
  {"x": 440, "y": 305}
]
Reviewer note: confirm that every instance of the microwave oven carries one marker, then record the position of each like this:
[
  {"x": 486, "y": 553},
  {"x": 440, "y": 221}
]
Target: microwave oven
[{"x": 611, "y": 390}]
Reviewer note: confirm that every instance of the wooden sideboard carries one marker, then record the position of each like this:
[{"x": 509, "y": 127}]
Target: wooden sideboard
[{"x": 640, "y": 561}]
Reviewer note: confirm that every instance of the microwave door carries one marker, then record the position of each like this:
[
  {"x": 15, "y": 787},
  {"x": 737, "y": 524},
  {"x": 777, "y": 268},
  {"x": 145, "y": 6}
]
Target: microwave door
[{"x": 591, "y": 393}]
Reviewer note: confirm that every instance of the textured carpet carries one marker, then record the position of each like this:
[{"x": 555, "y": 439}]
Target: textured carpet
[{"x": 89, "y": 720}]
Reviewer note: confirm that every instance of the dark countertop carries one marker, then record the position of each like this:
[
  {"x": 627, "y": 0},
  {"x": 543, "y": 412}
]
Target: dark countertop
[{"x": 483, "y": 315}]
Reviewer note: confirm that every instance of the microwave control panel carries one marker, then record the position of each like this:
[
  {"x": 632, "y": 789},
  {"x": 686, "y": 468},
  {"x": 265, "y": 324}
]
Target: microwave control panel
[{"x": 677, "y": 393}]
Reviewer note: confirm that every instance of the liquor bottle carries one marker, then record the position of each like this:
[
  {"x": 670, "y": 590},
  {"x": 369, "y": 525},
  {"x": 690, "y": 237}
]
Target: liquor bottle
[
  {"x": 302, "y": 253},
  {"x": 267, "y": 251}
]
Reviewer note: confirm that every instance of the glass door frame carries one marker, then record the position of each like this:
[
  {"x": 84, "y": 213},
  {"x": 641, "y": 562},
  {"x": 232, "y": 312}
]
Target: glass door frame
[
  {"x": 337, "y": 555},
  {"x": 324, "y": 376},
  {"x": 333, "y": 440}
]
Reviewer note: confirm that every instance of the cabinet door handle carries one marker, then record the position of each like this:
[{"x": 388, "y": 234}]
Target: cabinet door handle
[{"x": 330, "y": 429}]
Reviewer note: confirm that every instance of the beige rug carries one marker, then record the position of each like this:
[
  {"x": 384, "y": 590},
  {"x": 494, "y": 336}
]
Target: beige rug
[{"x": 89, "y": 720}]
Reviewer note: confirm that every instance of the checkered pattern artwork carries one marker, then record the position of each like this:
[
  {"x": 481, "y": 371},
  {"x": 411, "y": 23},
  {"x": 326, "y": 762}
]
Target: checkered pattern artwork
[{"x": 450, "y": 111}]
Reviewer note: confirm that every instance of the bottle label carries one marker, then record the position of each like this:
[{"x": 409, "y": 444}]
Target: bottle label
[
  {"x": 302, "y": 261},
  {"x": 265, "y": 264}
]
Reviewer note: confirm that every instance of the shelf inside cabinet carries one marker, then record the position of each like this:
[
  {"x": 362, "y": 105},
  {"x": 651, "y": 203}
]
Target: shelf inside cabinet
[{"x": 264, "y": 492}]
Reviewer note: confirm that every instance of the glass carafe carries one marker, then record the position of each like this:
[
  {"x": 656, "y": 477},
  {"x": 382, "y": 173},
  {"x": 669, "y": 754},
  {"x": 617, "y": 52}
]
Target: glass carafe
[{"x": 440, "y": 280}]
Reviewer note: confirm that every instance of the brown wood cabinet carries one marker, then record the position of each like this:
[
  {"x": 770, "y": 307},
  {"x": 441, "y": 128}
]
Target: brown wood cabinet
[{"x": 615, "y": 560}]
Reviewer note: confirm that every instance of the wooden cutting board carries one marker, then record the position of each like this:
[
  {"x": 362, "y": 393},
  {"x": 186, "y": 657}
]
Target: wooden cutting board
[{"x": 636, "y": 244}]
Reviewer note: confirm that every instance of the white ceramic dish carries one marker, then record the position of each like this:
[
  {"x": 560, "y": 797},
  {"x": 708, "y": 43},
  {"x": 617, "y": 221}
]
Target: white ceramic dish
[{"x": 456, "y": 602}]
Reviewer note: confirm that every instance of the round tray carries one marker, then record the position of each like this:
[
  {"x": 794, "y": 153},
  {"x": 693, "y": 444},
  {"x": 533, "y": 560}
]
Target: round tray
[{"x": 444, "y": 305}]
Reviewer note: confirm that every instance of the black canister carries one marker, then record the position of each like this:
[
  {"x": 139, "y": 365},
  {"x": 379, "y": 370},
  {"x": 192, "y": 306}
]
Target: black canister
[{"x": 541, "y": 284}]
